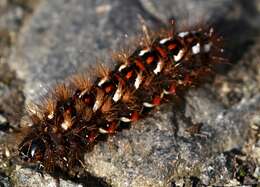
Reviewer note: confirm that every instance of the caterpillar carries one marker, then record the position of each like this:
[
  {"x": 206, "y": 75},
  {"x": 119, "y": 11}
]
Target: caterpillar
[{"x": 83, "y": 111}]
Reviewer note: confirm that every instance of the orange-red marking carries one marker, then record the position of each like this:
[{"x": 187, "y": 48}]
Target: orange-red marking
[
  {"x": 140, "y": 65},
  {"x": 156, "y": 100},
  {"x": 161, "y": 51},
  {"x": 150, "y": 59},
  {"x": 135, "y": 116}
]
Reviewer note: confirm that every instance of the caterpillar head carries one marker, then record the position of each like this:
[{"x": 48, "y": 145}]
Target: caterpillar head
[{"x": 32, "y": 150}]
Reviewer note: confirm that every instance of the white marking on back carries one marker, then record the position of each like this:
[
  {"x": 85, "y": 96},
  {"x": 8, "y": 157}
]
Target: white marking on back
[
  {"x": 138, "y": 81},
  {"x": 65, "y": 124},
  {"x": 142, "y": 52},
  {"x": 195, "y": 49},
  {"x": 162, "y": 95},
  {"x": 183, "y": 34},
  {"x": 158, "y": 68},
  {"x": 96, "y": 105},
  {"x": 102, "y": 131},
  {"x": 123, "y": 66},
  {"x": 83, "y": 93},
  {"x": 207, "y": 47},
  {"x": 118, "y": 94},
  {"x": 102, "y": 81},
  {"x": 148, "y": 105},
  {"x": 125, "y": 119},
  {"x": 166, "y": 92},
  {"x": 178, "y": 56},
  {"x": 51, "y": 115},
  {"x": 164, "y": 40}
]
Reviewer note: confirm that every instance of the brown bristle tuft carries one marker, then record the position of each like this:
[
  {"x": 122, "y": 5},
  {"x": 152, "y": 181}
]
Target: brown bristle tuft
[
  {"x": 107, "y": 105},
  {"x": 99, "y": 99},
  {"x": 87, "y": 114},
  {"x": 47, "y": 107},
  {"x": 62, "y": 92},
  {"x": 121, "y": 57},
  {"x": 129, "y": 97},
  {"x": 80, "y": 106},
  {"x": 81, "y": 82},
  {"x": 67, "y": 121},
  {"x": 102, "y": 71}
]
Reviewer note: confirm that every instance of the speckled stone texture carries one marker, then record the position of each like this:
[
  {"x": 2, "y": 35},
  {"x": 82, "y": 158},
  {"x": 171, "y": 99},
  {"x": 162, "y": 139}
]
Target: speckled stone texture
[{"x": 63, "y": 37}]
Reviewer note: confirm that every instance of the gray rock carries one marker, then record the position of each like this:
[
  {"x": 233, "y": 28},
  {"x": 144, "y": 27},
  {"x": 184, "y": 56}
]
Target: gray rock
[
  {"x": 150, "y": 154},
  {"x": 64, "y": 37},
  {"x": 23, "y": 177},
  {"x": 11, "y": 18},
  {"x": 186, "y": 12},
  {"x": 4, "y": 181}
]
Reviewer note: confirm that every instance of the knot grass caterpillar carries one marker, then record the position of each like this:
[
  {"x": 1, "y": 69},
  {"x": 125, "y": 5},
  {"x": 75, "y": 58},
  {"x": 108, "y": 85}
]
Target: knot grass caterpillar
[{"x": 78, "y": 114}]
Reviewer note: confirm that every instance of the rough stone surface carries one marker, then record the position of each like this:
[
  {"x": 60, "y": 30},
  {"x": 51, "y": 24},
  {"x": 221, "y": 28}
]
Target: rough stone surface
[
  {"x": 187, "y": 12},
  {"x": 23, "y": 178},
  {"x": 63, "y": 37},
  {"x": 150, "y": 154}
]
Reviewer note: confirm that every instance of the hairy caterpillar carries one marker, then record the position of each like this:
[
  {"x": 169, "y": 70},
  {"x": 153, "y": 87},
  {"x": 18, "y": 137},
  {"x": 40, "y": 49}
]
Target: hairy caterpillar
[{"x": 80, "y": 113}]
